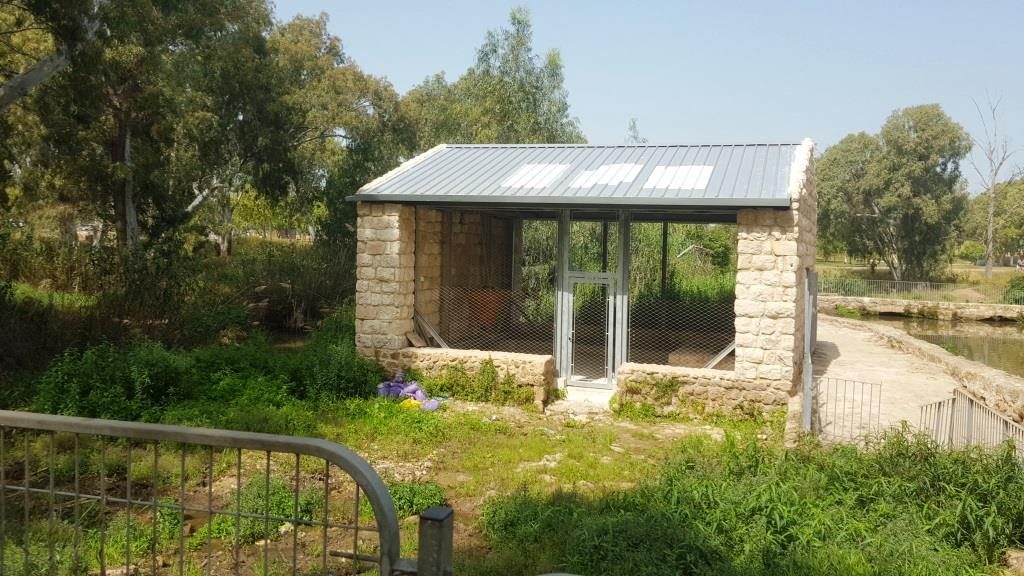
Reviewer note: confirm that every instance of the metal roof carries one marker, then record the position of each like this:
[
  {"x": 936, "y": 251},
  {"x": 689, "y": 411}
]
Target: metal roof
[{"x": 640, "y": 175}]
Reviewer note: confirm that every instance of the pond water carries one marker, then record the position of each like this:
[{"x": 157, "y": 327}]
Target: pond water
[{"x": 999, "y": 345}]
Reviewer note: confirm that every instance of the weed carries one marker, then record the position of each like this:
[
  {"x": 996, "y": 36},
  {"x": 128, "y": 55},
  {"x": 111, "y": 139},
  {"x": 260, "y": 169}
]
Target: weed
[
  {"x": 410, "y": 498},
  {"x": 486, "y": 385},
  {"x": 264, "y": 501},
  {"x": 846, "y": 312},
  {"x": 741, "y": 507}
]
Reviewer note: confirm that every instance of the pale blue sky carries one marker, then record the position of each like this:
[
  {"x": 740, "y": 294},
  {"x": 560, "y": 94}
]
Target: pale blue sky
[{"x": 719, "y": 71}]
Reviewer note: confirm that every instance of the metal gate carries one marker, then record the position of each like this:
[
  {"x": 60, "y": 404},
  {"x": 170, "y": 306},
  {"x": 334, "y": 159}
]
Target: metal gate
[
  {"x": 590, "y": 335},
  {"x": 80, "y": 495},
  {"x": 809, "y": 344}
]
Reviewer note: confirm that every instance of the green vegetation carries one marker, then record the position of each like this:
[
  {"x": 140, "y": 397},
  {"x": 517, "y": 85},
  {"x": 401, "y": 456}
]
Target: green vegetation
[
  {"x": 253, "y": 386},
  {"x": 413, "y": 498},
  {"x": 971, "y": 251},
  {"x": 896, "y": 197},
  {"x": 847, "y": 312},
  {"x": 741, "y": 507},
  {"x": 486, "y": 385},
  {"x": 1014, "y": 291},
  {"x": 271, "y": 497}
]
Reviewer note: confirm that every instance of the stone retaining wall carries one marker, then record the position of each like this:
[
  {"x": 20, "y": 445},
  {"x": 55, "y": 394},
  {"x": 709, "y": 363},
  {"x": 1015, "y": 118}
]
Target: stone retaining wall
[
  {"x": 676, "y": 390},
  {"x": 530, "y": 370},
  {"x": 998, "y": 390},
  {"x": 922, "y": 309}
]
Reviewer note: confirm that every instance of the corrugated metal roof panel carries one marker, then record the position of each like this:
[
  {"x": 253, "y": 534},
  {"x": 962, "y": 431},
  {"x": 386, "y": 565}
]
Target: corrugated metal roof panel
[{"x": 642, "y": 175}]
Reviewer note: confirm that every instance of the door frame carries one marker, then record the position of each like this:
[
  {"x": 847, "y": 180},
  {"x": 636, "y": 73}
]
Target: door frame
[
  {"x": 606, "y": 279},
  {"x": 618, "y": 292}
]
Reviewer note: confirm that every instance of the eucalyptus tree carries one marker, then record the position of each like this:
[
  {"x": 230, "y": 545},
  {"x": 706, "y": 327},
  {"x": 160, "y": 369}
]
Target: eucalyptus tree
[
  {"x": 510, "y": 95},
  {"x": 897, "y": 196}
]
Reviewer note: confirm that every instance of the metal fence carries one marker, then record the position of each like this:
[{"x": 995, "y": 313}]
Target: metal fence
[
  {"x": 682, "y": 290},
  {"x": 845, "y": 410},
  {"x": 498, "y": 283},
  {"x": 924, "y": 291},
  {"x": 964, "y": 420},
  {"x": 84, "y": 496}
]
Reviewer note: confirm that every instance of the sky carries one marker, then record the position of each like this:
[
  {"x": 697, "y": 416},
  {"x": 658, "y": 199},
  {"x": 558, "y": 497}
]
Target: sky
[{"x": 714, "y": 71}]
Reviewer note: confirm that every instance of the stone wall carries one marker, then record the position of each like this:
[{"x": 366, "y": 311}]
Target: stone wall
[
  {"x": 922, "y": 309},
  {"x": 678, "y": 390},
  {"x": 775, "y": 250},
  {"x": 428, "y": 264},
  {"x": 385, "y": 276},
  {"x": 530, "y": 370},
  {"x": 477, "y": 250}
]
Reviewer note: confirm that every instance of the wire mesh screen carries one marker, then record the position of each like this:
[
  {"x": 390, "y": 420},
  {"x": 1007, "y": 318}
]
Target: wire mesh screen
[
  {"x": 682, "y": 291},
  {"x": 590, "y": 332},
  {"x": 498, "y": 285},
  {"x": 88, "y": 504}
]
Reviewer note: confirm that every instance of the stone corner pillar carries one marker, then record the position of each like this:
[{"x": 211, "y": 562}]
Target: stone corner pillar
[
  {"x": 775, "y": 249},
  {"x": 385, "y": 277}
]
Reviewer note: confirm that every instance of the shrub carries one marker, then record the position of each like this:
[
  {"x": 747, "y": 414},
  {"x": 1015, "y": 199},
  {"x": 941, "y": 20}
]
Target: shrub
[
  {"x": 1014, "y": 293},
  {"x": 105, "y": 381},
  {"x": 971, "y": 251}
]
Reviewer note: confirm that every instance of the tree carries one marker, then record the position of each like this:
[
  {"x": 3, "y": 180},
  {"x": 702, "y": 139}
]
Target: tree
[
  {"x": 898, "y": 195},
  {"x": 633, "y": 133},
  {"x": 996, "y": 149},
  {"x": 121, "y": 123},
  {"x": 1007, "y": 224},
  {"x": 70, "y": 23},
  {"x": 510, "y": 95}
]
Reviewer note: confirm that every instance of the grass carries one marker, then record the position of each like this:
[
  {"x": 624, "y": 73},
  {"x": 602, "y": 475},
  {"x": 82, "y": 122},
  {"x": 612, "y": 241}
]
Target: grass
[
  {"x": 742, "y": 507},
  {"x": 698, "y": 493}
]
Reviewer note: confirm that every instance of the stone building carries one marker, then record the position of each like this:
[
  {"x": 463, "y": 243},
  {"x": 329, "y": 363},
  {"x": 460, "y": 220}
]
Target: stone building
[{"x": 676, "y": 275}]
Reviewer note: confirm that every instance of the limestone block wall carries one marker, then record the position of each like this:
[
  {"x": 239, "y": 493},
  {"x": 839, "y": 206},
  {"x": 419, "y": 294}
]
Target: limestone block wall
[
  {"x": 675, "y": 389},
  {"x": 775, "y": 250},
  {"x": 923, "y": 309},
  {"x": 428, "y": 264},
  {"x": 385, "y": 276},
  {"x": 464, "y": 249},
  {"x": 530, "y": 370}
]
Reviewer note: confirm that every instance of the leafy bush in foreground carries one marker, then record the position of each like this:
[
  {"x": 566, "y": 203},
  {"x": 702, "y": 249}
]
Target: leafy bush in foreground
[
  {"x": 253, "y": 387},
  {"x": 903, "y": 506}
]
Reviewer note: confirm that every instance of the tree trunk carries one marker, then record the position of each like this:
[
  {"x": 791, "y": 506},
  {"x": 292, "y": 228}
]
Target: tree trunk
[
  {"x": 990, "y": 232},
  {"x": 23, "y": 83},
  {"x": 68, "y": 227},
  {"x": 125, "y": 216},
  {"x": 101, "y": 230}
]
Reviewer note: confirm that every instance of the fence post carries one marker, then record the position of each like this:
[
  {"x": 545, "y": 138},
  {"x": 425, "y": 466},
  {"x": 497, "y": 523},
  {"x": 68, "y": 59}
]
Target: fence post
[
  {"x": 969, "y": 432},
  {"x": 435, "y": 554}
]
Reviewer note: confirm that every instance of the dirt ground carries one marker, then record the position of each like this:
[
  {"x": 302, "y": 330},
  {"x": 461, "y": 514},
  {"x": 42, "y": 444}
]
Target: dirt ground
[{"x": 905, "y": 382}]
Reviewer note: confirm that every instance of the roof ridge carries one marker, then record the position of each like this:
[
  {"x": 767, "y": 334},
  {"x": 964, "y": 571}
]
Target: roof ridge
[{"x": 646, "y": 145}]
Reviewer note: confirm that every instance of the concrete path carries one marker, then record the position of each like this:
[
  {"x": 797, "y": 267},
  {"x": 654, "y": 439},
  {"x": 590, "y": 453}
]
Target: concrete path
[{"x": 906, "y": 382}]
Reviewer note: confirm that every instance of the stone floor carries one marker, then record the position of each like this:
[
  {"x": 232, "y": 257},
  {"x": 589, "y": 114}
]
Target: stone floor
[{"x": 847, "y": 351}]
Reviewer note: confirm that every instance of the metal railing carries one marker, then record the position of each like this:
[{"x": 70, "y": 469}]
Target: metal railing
[
  {"x": 845, "y": 410},
  {"x": 907, "y": 290},
  {"x": 964, "y": 420},
  {"x": 105, "y": 497}
]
